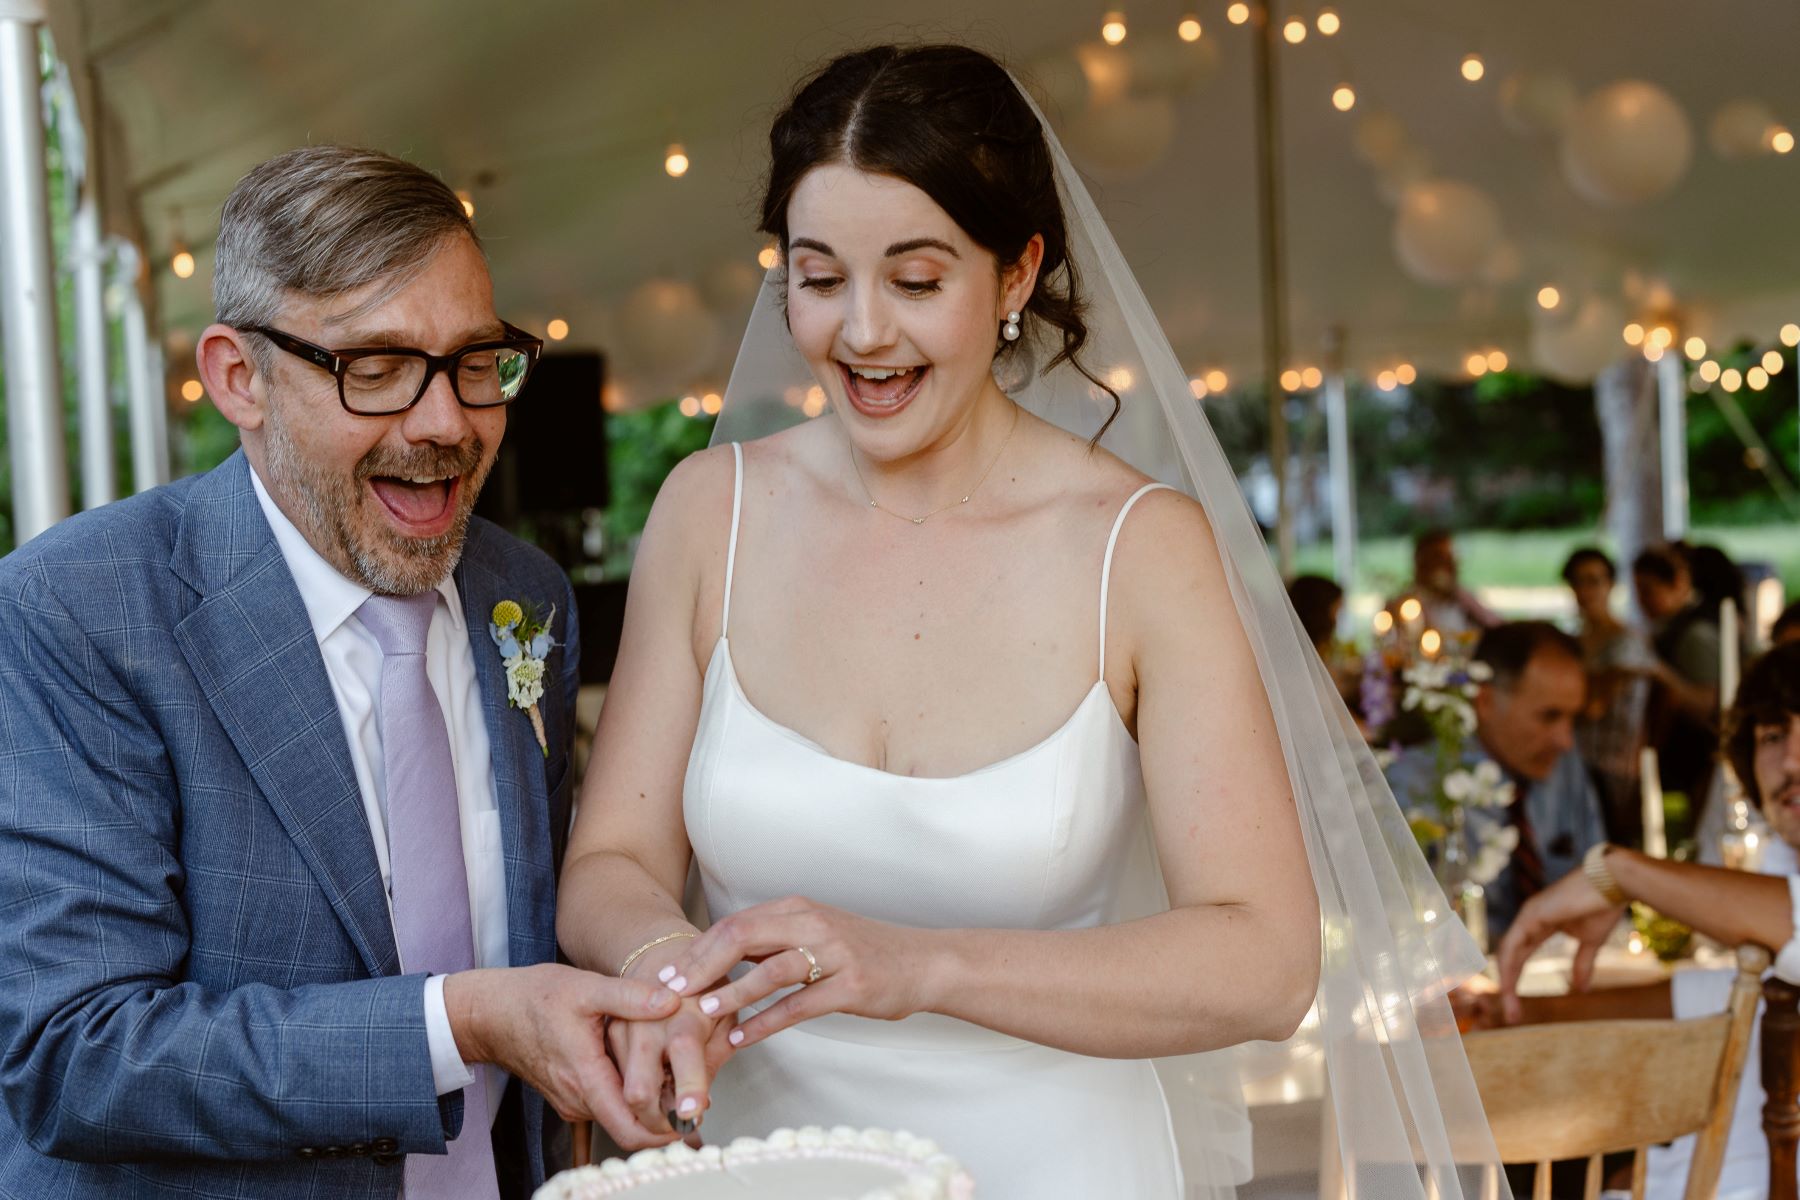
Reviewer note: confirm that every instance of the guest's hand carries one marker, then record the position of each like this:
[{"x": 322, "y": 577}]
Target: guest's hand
[
  {"x": 544, "y": 1024},
  {"x": 1571, "y": 905},
  {"x": 866, "y": 968}
]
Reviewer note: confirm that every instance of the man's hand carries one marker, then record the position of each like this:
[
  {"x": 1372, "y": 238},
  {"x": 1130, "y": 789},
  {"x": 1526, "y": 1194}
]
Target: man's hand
[
  {"x": 547, "y": 1025},
  {"x": 1571, "y": 905}
]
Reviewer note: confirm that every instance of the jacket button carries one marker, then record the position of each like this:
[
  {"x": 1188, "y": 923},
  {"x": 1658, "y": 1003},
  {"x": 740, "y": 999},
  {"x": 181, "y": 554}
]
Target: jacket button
[
  {"x": 384, "y": 1145},
  {"x": 359, "y": 1149},
  {"x": 333, "y": 1152},
  {"x": 307, "y": 1152}
]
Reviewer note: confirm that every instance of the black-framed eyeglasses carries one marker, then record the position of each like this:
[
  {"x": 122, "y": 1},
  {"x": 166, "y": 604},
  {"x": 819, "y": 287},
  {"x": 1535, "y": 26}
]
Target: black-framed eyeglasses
[{"x": 382, "y": 381}]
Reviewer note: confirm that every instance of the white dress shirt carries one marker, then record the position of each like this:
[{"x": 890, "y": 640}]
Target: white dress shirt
[{"x": 353, "y": 663}]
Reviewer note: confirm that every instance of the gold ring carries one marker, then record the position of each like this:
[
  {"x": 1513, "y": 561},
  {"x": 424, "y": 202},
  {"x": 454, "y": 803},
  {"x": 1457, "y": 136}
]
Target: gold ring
[{"x": 814, "y": 975}]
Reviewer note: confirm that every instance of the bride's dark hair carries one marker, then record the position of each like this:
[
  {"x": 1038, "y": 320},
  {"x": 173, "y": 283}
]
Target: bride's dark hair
[{"x": 950, "y": 121}]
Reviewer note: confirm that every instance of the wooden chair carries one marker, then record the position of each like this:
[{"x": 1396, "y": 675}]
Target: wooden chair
[
  {"x": 1781, "y": 1081},
  {"x": 1583, "y": 1089}
]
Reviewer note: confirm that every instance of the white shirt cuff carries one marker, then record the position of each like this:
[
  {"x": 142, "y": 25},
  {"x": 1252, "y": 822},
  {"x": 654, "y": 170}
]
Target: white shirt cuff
[
  {"x": 448, "y": 1071},
  {"x": 1787, "y": 963}
]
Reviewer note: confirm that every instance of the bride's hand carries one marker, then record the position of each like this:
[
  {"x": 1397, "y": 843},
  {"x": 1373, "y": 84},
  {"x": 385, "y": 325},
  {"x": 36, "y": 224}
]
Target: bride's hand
[
  {"x": 667, "y": 1066},
  {"x": 865, "y": 968}
]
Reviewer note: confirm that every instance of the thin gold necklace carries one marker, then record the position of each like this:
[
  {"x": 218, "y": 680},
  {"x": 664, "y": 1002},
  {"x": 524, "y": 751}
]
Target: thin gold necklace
[{"x": 873, "y": 503}]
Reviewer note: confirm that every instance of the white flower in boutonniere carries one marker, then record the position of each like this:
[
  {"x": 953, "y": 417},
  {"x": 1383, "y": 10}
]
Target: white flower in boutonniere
[{"x": 524, "y": 640}]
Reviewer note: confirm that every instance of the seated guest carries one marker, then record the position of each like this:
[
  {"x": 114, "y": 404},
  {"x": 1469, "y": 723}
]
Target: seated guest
[
  {"x": 1681, "y": 722},
  {"x": 1762, "y": 742},
  {"x": 1447, "y": 606},
  {"x": 1525, "y": 723},
  {"x": 1787, "y": 626},
  {"x": 1610, "y": 731},
  {"x": 1319, "y": 603}
]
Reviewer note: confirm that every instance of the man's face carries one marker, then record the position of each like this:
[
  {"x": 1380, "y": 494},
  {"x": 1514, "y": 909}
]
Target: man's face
[
  {"x": 1660, "y": 600},
  {"x": 1529, "y": 726},
  {"x": 386, "y": 499},
  {"x": 1434, "y": 565},
  {"x": 1777, "y": 765}
]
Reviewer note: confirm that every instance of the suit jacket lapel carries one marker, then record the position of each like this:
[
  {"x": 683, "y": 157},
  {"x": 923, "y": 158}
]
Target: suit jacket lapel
[
  {"x": 251, "y": 647},
  {"x": 518, "y": 763}
]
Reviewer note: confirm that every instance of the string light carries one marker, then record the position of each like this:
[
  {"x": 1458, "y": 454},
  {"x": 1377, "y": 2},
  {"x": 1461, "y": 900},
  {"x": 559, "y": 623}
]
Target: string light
[
  {"x": 468, "y": 202},
  {"x": 675, "y": 162},
  {"x": 1294, "y": 31},
  {"x": 1387, "y": 381},
  {"x": 711, "y": 403},
  {"x": 1496, "y": 360},
  {"x": 814, "y": 404},
  {"x": 182, "y": 262},
  {"x": 1431, "y": 641},
  {"x": 1311, "y": 377},
  {"x": 1652, "y": 352},
  {"x": 1384, "y": 621},
  {"x": 1120, "y": 378},
  {"x": 1662, "y": 337},
  {"x": 1189, "y": 29},
  {"x": 557, "y": 329},
  {"x": 1197, "y": 386},
  {"x": 1790, "y": 334},
  {"x": 1476, "y": 364},
  {"x": 1112, "y": 30},
  {"x": 1634, "y": 334},
  {"x": 1709, "y": 371},
  {"x": 767, "y": 257},
  {"x": 1216, "y": 380},
  {"x": 1344, "y": 98},
  {"x": 1548, "y": 298},
  {"x": 1473, "y": 68},
  {"x": 1730, "y": 380},
  {"x": 191, "y": 391},
  {"x": 1290, "y": 380},
  {"x": 1238, "y": 13},
  {"x": 1410, "y": 608},
  {"x": 1694, "y": 347},
  {"x": 1328, "y": 22},
  {"x": 1773, "y": 362},
  {"x": 690, "y": 406},
  {"x": 1757, "y": 378},
  {"x": 1405, "y": 374},
  {"x": 1780, "y": 140}
]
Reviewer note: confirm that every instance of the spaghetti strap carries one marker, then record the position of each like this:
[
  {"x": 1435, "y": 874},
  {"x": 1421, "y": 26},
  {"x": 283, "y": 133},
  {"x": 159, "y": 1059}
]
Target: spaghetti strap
[
  {"x": 737, "y": 506},
  {"x": 1106, "y": 568}
]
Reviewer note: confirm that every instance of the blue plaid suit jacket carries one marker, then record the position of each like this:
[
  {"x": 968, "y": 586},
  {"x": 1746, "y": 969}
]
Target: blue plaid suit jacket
[{"x": 199, "y": 990}]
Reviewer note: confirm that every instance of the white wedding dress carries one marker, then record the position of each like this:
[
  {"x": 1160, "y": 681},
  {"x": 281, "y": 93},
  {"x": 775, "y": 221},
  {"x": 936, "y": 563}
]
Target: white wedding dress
[{"x": 1053, "y": 837}]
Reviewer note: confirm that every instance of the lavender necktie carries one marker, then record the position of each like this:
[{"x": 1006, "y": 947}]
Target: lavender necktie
[{"x": 430, "y": 884}]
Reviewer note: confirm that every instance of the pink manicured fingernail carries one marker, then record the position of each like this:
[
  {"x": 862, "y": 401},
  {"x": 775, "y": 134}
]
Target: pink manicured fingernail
[
  {"x": 688, "y": 1106},
  {"x": 736, "y": 1037},
  {"x": 677, "y": 983},
  {"x": 710, "y": 1005},
  {"x": 667, "y": 973}
]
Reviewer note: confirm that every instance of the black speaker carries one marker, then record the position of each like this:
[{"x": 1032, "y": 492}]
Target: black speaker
[{"x": 552, "y": 461}]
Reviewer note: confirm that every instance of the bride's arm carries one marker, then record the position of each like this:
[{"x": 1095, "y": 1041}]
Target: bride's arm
[{"x": 1237, "y": 956}]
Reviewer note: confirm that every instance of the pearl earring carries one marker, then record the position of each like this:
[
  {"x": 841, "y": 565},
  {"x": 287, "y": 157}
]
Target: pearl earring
[{"x": 1010, "y": 331}]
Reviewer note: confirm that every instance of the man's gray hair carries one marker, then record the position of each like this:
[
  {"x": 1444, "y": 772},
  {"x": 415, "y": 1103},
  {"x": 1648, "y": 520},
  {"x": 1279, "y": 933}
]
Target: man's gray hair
[{"x": 324, "y": 220}]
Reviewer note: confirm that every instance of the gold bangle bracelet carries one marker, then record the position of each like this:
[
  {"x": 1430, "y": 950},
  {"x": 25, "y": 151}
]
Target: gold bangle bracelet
[
  {"x": 652, "y": 944},
  {"x": 1593, "y": 865}
]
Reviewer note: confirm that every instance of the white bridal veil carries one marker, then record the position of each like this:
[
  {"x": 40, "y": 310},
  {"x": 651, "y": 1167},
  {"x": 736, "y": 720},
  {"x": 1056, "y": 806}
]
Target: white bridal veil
[{"x": 1373, "y": 1096}]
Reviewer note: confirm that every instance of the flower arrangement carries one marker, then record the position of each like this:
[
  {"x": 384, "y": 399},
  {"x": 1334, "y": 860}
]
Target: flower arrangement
[
  {"x": 523, "y": 638},
  {"x": 1441, "y": 693}
]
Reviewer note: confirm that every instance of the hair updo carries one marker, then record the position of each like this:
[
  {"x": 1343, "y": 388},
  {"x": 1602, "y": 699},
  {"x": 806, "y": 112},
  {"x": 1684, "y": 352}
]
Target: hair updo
[{"x": 950, "y": 121}]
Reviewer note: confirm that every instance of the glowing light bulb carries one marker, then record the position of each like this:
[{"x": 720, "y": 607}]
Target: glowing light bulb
[
  {"x": 1496, "y": 360},
  {"x": 1216, "y": 380},
  {"x": 1548, "y": 298},
  {"x": 1311, "y": 377},
  {"x": 1387, "y": 381},
  {"x": 557, "y": 329},
  {"x": 1709, "y": 371},
  {"x": 1431, "y": 641},
  {"x": 1730, "y": 379},
  {"x": 1328, "y": 23},
  {"x": 1757, "y": 378},
  {"x": 1662, "y": 336},
  {"x": 690, "y": 406},
  {"x": 767, "y": 257},
  {"x": 468, "y": 202},
  {"x": 1780, "y": 140},
  {"x": 1473, "y": 68},
  {"x": 1343, "y": 98},
  {"x": 1773, "y": 362},
  {"x": 814, "y": 404},
  {"x": 1113, "y": 28},
  {"x": 1694, "y": 347},
  {"x": 1238, "y": 13},
  {"x": 1653, "y": 352},
  {"x": 1197, "y": 386},
  {"x": 1634, "y": 334},
  {"x": 191, "y": 391},
  {"x": 1120, "y": 378},
  {"x": 1476, "y": 364},
  {"x": 1405, "y": 374},
  {"x": 182, "y": 264},
  {"x": 675, "y": 162},
  {"x": 1189, "y": 29},
  {"x": 1294, "y": 31},
  {"x": 1290, "y": 380},
  {"x": 1410, "y": 608},
  {"x": 1790, "y": 334},
  {"x": 711, "y": 403}
]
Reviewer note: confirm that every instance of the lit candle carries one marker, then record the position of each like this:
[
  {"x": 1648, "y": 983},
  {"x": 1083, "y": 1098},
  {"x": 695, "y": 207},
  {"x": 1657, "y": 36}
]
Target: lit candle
[
  {"x": 1728, "y": 653},
  {"x": 1656, "y": 843}
]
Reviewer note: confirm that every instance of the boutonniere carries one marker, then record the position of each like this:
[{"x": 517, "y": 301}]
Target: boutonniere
[{"x": 523, "y": 636}]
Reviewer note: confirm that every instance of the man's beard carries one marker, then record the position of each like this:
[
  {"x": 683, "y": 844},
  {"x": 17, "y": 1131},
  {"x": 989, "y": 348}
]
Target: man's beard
[{"x": 381, "y": 560}]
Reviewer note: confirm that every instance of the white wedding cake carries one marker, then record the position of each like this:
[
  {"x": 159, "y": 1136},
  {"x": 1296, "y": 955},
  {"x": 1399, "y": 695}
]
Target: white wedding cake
[{"x": 789, "y": 1164}]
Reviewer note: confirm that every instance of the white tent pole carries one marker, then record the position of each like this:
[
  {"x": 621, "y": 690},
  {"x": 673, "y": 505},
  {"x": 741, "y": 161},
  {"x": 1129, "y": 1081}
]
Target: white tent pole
[
  {"x": 1671, "y": 394},
  {"x": 1274, "y": 272},
  {"x": 34, "y": 418},
  {"x": 99, "y": 476},
  {"x": 1343, "y": 491},
  {"x": 141, "y": 400}
]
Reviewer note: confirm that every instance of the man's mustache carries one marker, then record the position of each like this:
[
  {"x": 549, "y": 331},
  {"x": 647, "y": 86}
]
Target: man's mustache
[{"x": 438, "y": 460}]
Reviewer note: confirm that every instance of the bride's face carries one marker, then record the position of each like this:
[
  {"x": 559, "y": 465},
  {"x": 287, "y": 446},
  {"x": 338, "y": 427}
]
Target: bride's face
[{"x": 895, "y": 309}]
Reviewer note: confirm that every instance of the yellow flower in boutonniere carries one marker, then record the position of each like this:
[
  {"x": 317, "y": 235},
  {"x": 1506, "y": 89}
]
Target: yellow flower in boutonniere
[{"x": 524, "y": 641}]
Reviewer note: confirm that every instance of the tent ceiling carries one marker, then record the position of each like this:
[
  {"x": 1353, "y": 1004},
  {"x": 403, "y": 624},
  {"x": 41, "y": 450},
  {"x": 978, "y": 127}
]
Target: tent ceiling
[{"x": 555, "y": 115}]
